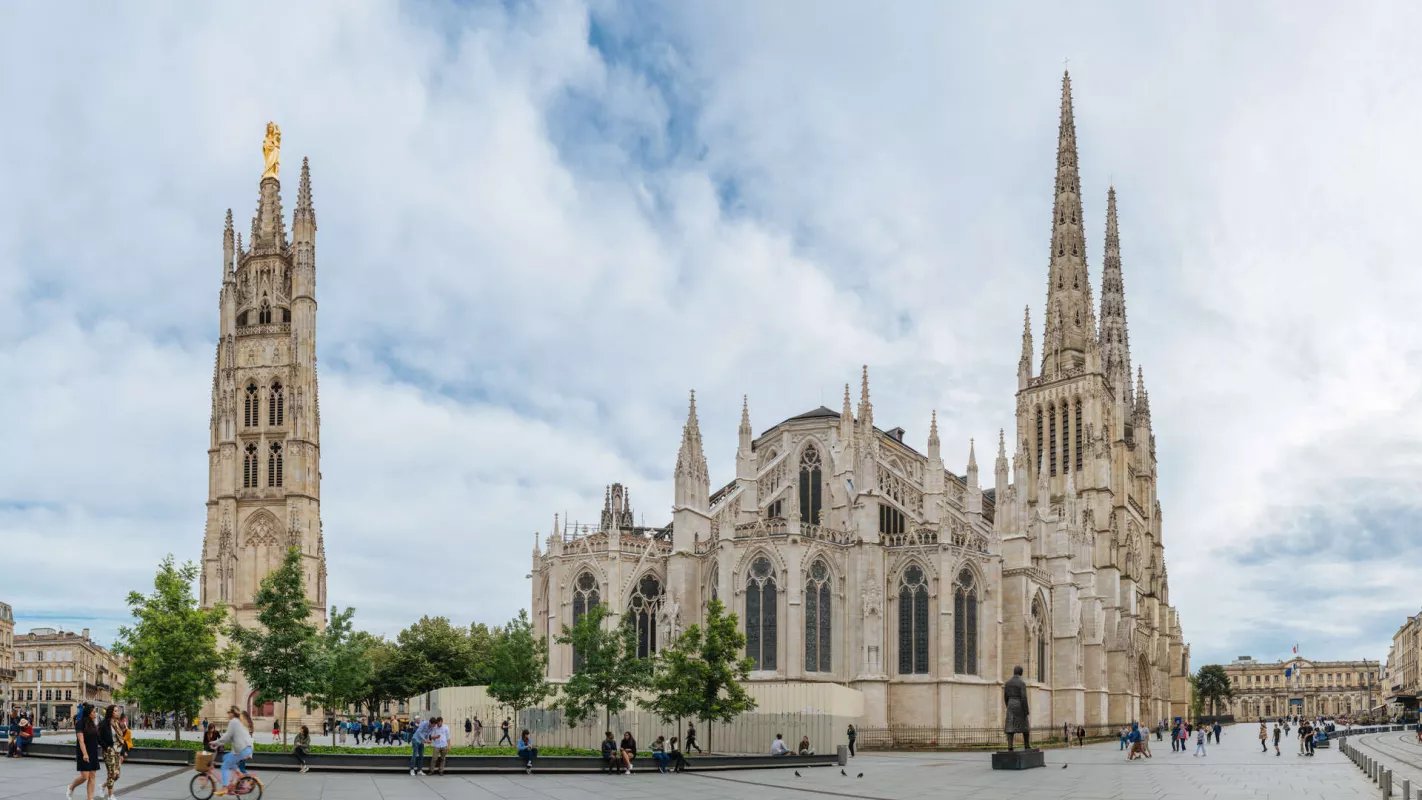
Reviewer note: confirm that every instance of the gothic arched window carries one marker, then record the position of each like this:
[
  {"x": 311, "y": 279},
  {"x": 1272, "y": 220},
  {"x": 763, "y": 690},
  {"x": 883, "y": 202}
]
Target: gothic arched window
[
  {"x": 761, "y": 612},
  {"x": 643, "y": 611},
  {"x": 1037, "y": 456},
  {"x": 1052, "y": 439},
  {"x": 1066, "y": 439},
  {"x": 1040, "y": 631},
  {"x": 274, "y": 467},
  {"x": 1078, "y": 435},
  {"x": 585, "y": 596},
  {"x": 249, "y": 467},
  {"x": 818, "y": 618},
  {"x": 264, "y": 314},
  {"x": 965, "y": 625},
  {"x": 250, "y": 407},
  {"x": 810, "y": 486},
  {"x": 713, "y": 580},
  {"x": 276, "y": 406},
  {"x": 913, "y": 622}
]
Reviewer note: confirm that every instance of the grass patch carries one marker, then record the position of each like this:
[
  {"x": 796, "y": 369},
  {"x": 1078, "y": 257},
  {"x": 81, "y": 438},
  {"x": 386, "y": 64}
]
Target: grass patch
[{"x": 186, "y": 744}]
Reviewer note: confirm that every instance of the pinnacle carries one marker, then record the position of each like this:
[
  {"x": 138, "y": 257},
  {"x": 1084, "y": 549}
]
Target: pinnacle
[
  {"x": 933, "y": 433},
  {"x": 972, "y": 455},
  {"x": 1001, "y": 445}
]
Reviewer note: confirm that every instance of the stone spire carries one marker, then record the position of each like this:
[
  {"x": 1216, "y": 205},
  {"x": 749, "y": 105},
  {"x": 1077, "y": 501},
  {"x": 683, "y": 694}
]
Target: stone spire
[
  {"x": 1024, "y": 364},
  {"x": 1142, "y": 407},
  {"x": 866, "y": 409},
  {"x": 745, "y": 429},
  {"x": 1000, "y": 471},
  {"x": 1115, "y": 336},
  {"x": 846, "y": 420},
  {"x": 1071, "y": 316},
  {"x": 268, "y": 226},
  {"x": 692, "y": 479},
  {"x": 972, "y": 465},
  {"x": 934, "y": 452},
  {"x": 304, "y": 210},
  {"x": 228, "y": 251}
]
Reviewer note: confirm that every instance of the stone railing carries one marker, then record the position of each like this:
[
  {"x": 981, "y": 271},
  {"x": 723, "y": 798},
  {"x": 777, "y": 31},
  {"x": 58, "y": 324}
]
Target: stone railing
[
  {"x": 269, "y": 329},
  {"x": 821, "y": 533},
  {"x": 1137, "y": 507},
  {"x": 705, "y": 546},
  {"x": 762, "y": 529},
  {"x": 919, "y": 537}
]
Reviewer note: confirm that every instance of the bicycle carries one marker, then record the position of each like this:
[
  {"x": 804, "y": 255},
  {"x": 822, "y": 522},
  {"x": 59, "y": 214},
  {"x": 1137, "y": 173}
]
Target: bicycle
[{"x": 205, "y": 783}]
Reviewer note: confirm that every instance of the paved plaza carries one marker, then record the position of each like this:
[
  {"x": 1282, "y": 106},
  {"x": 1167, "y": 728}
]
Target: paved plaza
[{"x": 1233, "y": 769}]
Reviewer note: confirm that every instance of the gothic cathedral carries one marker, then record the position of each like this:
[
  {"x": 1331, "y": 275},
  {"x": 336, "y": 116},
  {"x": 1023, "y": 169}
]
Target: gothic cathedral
[
  {"x": 852, "y": 557},
  {"x": 264, "y": 469}
]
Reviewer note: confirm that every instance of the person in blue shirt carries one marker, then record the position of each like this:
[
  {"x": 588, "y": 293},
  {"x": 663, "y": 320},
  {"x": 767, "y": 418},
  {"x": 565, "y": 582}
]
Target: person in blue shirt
[
  {"x": 527, "y": 751},
  {"x": 417, "y": 748}
]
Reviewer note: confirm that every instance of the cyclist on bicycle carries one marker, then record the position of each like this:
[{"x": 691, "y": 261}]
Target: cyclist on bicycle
[{"x": 238, "y": 739}]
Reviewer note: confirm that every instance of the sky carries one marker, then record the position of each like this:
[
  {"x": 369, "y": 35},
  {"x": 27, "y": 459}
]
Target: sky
[{"x": 542, "y": 223}]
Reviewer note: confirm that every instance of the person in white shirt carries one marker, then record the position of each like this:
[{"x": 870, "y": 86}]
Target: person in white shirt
[
  {"x": 239, "y": 743},
  {"x": 778, "y": 747},
  {"x": 439, "y": 740}
]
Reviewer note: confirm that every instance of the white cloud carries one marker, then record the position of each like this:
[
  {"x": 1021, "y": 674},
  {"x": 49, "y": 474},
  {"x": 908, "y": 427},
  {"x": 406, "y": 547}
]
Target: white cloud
[{"x": 531, "y": 246}]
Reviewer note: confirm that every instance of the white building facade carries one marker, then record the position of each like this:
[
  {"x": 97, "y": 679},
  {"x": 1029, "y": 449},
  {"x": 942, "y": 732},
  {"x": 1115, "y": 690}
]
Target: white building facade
[{"x": 850, "y": 556}]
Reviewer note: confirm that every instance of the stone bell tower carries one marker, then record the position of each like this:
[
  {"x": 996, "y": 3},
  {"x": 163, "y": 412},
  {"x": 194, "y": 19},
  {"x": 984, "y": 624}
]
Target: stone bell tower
[{"x": 264, "y": 468}]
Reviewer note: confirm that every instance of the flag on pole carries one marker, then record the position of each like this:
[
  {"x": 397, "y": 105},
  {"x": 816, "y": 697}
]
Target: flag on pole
[{"x": 1296, "y": 649}]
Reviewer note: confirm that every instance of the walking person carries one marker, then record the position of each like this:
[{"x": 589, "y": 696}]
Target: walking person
[
  {"x": 505, "y": 727},
  {"x": 302, "y": 747},
  {"x": 478, "y": 732},
  {"x": 86, "y": 752},
  {"x": 692, "y": 745},
  {"x": 1263, "y": 737},
  {"x": 1277, "y": 735},
  {"x": 468, "y": 732},
  {"x": 276, "y": 731},
  {"x": 111, "y": 749},
  {"x": 1200, "y": 743},
  {"x": 1218, "y": 728},
  {"x": 853, "y": 734},
  {"x": 1081, "y": 736}
]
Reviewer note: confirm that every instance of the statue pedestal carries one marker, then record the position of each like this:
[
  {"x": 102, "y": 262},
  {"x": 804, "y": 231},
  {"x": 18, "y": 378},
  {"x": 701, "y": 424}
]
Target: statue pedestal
[{"x": 1018, "y": 759}]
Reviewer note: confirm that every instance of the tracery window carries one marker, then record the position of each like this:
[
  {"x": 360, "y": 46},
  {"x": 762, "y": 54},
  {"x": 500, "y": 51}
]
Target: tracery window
[
  {"x": 913, "y": 622},
  {"x": 643, "y": 611},
  {"x": 1039, "y": 628},
  {"x": 1037, "y": 456},
  {"x": 1066, "y": 440},
  {"x": 761, "y": 612},
  {"x": 714, "y": 581},
  {"x": 264, "y": 315},
  {"x": 775, "y": 510},
  {"x": 274, "y": 465},
  {"x": 1078, "y": 435},
  {"x": 250, "y": 407},
  {"x": 818, "y": 617},
  {"x": 810, "y": 486},
  {"x": 965, "y": 625},
  {"x": 276, "y": 406},
  {"x": 585, "y": 596},
  {"x": 1052, "y": 438},
  {"x": 249, "y": 467},
  {"x": 891, "y": 520}
]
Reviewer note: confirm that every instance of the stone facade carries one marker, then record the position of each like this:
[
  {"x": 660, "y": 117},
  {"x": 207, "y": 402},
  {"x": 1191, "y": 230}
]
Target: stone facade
[
  {"x": 57, "y": 670},
  {"x": 1262, "y": 690},
  {"x": 7, "y": 651},
  {"x": 1402, "y": 681},
  {"x": 853, "y": 557},
  {"x": 264, "y": 469}
]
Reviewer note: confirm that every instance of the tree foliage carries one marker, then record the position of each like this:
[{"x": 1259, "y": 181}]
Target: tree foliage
[
  {"x": 345, "y": 670},
  {"x": 518, "y": 665},
  {"x": 610, "y": 672},
  {"x": 176, "y": 663},
  {"x": 433, "y": 653},
  {"x": 1212, "y": 684},
  {"x": 720, "y": 697},
  {"x": 385, "y": 682},
  {"x": 677, "y": 676},
  {"x": 281, "y": 659}
]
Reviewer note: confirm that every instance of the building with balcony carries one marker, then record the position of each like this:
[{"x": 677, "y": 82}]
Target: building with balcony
[
  {"x": 1302, "y": 687},
  {"x": 56, "y": 670}
]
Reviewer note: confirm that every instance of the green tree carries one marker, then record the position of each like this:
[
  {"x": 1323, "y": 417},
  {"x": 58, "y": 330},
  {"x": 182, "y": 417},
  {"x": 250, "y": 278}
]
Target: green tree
[
  {"x": 519, "y": 664},
  {"x": 176, "y": 661},
  {"x": 483, "y": 641},
  {"x": 385, "y": 682},
  {"x": 677, "y": 676},
  {"x": 610, "y": 672},
  {"x": 720, "y": 697},
  {"x": 281, "y": 659},
  {"x": 345, "y": 670},
  {"x": 433, "y": 654},
  {"x": 1213, "y": 685}
]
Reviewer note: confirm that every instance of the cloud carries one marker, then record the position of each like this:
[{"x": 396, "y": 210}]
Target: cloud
[{"x": 542, "y": 223}]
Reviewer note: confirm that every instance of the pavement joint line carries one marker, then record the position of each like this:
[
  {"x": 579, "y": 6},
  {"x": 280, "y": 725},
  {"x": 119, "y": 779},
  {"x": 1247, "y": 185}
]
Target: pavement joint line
[
  {"x": 791, "y": 788},
  {"x": 151, "y": 781}
]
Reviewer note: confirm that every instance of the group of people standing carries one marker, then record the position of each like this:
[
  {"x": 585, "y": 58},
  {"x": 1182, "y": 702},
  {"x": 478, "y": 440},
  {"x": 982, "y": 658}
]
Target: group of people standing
[
  {"x": 1307, "y": 732},
  {"x": 107, "y": 739}
]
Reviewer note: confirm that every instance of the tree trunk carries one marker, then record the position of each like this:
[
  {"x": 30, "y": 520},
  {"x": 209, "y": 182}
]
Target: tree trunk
[
  {"x": 177, "y": 731},
  {"x": 708, "y": 737},
  {"x": 285, "y": 701}
]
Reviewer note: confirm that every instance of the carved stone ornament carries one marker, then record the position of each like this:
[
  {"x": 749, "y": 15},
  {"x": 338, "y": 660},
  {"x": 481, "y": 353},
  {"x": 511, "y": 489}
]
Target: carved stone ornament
[{"x": 873, "y": 595}]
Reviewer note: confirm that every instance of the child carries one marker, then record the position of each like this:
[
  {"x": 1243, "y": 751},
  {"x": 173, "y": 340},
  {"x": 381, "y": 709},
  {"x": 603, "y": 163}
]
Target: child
[{"x": 1200, "y": 742}]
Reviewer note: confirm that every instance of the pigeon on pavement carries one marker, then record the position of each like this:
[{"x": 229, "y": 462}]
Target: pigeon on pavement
[{"x": 797, "y": 773}]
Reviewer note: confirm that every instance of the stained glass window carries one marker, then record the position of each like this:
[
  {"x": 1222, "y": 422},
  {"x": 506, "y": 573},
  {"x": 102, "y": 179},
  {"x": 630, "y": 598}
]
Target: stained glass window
[
  {"x": 1037, "y": 456},
  {"x": 643, "y": 611},
  {"x": 965, "y": 625},
  {"x": 818, "y": 618},
  {"x": 1052, "y": 438},
  {"x": 585, "y": 596},
  {"x": 1066, "y": 440},
  {"x": 1078, "y": 435},
  {"x": 1039, "y": 625},
  {"x": 761, "y": 610},
  {"x": 810, "y": 486},
  {"x": 913, "y": 622}
]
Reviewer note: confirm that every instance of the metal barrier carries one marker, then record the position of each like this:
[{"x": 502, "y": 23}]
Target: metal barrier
[{"x": 910, "y": 737}]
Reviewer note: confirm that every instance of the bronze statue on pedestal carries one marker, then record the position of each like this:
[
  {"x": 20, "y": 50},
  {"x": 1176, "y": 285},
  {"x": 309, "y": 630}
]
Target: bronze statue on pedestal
[{"x": 1014, "y": 696}]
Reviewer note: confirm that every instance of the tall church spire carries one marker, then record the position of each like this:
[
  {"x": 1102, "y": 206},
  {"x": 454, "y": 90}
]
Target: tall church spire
[
  {"x": 692, "y": 479},
  {"x": 1071, "y": 317},
  {"x": 228, "y": 250},
  {"x": 1115, "y": 336},
  {"x": 1024, "y": 364}
]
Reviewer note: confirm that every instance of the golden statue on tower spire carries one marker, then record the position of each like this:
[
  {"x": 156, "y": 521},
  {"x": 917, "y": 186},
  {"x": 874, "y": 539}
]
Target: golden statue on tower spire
[{"x": 271, "y": 149}]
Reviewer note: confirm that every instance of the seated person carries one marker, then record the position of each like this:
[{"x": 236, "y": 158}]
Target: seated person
[
  {"x": 778, "y": 747},
  {"x": 628, "y": 749},
  {"x": 527, "y": 751},
  {"x": 674, "y": 753},
  {"x": 611, "y": 756},
  {"x": 659, "y": 753},
  {"x": 804, "y": 749}
]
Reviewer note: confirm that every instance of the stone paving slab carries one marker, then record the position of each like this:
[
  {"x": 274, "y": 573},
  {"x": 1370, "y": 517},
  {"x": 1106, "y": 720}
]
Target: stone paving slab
[{"x": 1233, "y": 769}]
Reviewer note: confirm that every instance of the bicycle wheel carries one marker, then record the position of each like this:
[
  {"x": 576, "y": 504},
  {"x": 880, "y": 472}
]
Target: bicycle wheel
[
  {"x": 249, "y": 787},
  {"x": 202, "y": 786}
]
